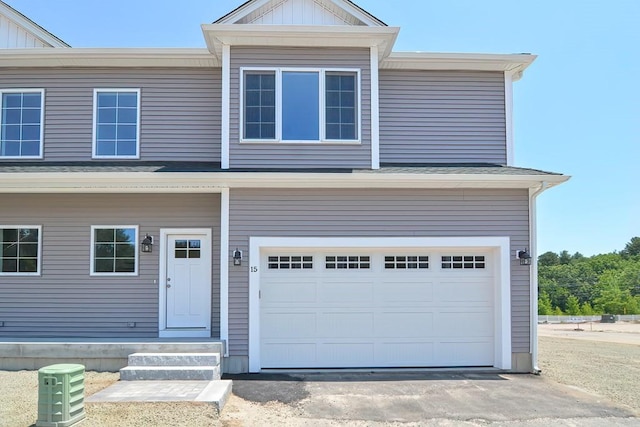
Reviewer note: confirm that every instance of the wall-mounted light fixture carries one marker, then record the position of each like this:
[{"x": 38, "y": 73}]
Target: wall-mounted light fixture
[
  {"x": 524, "y": 256},
  {"x": 237, "y": 257},
  {"x": 147, "y": 244}
]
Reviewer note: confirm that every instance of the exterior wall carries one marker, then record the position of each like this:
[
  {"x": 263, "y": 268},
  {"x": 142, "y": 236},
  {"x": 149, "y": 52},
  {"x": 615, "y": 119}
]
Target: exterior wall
[
  {"x": 180, "y": 110},
  {"x": 287, "y": 155},
  {"x": 371, "y": 213},
  {"x": 65, "y": 301},
  {"x": 442, "y": 117},
  {"x": 13, "y": 36}
]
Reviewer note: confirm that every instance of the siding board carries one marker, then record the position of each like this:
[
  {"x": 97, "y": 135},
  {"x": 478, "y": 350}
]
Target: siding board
[
  {"x": 442, "y": 117},
  {"x": 180, "y": 110},
  {"x": 377, "y": 213},
  {"x": 65, "y": 301},
  {"x": 287, "y": 155}
]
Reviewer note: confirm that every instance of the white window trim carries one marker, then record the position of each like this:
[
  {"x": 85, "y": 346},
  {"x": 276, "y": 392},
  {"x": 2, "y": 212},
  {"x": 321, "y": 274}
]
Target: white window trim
[
  {"x": 92, "y": 251},
  {"x": 500, "y": 247},
  {"x": 42, "y": 95},
  {"x": 39, "y": 228},
  {"x": 321, "y": 119},
  {"x": 94, "y": 142}
]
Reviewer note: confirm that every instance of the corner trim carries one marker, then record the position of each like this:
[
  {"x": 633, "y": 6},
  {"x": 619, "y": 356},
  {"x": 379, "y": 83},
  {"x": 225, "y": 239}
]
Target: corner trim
[
  {"x": 508, "y": 116},
  {"x": 375, "y": 110},
  {"x": 224, "y": 269},
  {"x": 226, "y": 105}
]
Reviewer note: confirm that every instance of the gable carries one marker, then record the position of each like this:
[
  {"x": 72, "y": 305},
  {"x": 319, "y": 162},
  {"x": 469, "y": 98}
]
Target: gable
[
  {"x": 18, "y": 32},
  {"x": 300, "y": 12}
]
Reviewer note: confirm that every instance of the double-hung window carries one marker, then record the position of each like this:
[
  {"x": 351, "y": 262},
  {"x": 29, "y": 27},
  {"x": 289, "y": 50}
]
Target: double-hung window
[
  {"x": 114, "y": 250},
  {"x": 116, "y": 132},
  {"x": 21, "y": 118},
  {"x": 300, "y": 105},
  {"x": 20, "y": 250}
]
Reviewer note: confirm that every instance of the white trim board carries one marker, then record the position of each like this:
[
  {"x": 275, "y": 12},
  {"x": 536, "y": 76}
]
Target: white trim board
[{"x": 499, "y": 245}]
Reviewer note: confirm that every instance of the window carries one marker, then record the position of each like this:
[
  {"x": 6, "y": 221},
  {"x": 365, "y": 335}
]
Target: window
[
  {"x": 347, "y": 262},
  {"x": 187, "y": 249},
  {"x": 20, "y": 250},
  {"x": 300, "y": 105},
  {"x": 295, "y": 262},
  {"x": 116, "y": 123},
  {"x": 114, "y": 250},
  {"x": 21, "y": 123},
  {"x": 406, "y": 262},
  {"x": 463, "y": 262}
]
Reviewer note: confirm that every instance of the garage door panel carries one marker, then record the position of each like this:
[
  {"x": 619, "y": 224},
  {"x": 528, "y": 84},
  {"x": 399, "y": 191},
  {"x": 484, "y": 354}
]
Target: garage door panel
[
  {"x": 465, "y": 323},
  {"x": 290, "y": 291},
  {"x": 465, "y": 291},
  {"x": 404, "y": 324},
  {"x": 287, "y": 354},
  {"x": 405, "y": 354},
  {"x": 349, "y": 354},
  {"x": 405, "y": 291},
  {"x": 466, "y": 353},
  {"x": 347, "y": 292},
  {"x": 346, "y": 324},
  {"x": 279, "y": 324}
]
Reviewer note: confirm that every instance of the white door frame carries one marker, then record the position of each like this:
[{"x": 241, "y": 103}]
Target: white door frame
[
  {"x": 162, "y": 288},
  {"x": 500, "y": 247}
]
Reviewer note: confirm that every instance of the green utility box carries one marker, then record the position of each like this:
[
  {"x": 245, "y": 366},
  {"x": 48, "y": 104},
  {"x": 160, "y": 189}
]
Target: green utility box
[{"x": 60, "y": 395}]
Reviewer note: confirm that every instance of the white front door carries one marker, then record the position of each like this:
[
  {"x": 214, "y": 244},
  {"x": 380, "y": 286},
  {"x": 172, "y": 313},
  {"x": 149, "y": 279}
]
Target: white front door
[{"x": 188, "y": 281}]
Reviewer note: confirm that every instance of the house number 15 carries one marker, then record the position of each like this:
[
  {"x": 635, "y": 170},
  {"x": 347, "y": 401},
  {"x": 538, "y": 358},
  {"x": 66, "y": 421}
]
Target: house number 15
[{"x": 254, "y": 269}]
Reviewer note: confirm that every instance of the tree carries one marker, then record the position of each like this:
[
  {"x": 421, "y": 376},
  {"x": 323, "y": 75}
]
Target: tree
[
  {"x": 565, "y": 257},
  {"x": 586, "y": 309},
  {"x": 573, "y": 306},
  {"x": 558, "y": 312},
  {"x": 548, "y": 259},
  {"x": 632, "y": 248},
  {"x": 544, "y": 304}
]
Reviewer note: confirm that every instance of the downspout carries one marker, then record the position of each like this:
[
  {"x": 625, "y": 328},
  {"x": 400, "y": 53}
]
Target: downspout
[{"x": 533, "y": 278}]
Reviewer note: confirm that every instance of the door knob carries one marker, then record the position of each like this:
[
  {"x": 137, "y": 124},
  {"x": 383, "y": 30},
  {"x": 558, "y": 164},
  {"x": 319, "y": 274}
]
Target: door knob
[{"x": 168, "y": 285}]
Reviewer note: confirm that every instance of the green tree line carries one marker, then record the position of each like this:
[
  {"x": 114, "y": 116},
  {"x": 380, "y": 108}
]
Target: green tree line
[{"x": 602, "y": 284}]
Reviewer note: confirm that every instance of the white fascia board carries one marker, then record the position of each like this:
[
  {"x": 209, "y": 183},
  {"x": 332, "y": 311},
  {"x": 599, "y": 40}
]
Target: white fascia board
[
  {"x": 108, "y": 57},
  {"x": 514, "y": 63},
  {"x": 217, "y": 35},
  {"x": 147, "y": 182},
  {"x": 31, "y": 27}
]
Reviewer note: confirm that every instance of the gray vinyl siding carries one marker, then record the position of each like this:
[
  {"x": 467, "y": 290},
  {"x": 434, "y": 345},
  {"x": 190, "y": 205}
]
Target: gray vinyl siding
[
  {"x": 442, "y": 117},
  {"x": 180, "y": 110},
  {"x": 65, "y": 301},
  {"x": 285, "y": 155},
  {"x": 383, "y": 213}
]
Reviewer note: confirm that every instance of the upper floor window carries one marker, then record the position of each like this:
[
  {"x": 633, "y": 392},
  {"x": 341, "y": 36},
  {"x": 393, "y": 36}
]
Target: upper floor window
[
  {"x": 21, "y": 123},
  {"x": 116, "y": 132},
  {"x": 20, "y": 250},
  {"x": 300, "y": 105}
]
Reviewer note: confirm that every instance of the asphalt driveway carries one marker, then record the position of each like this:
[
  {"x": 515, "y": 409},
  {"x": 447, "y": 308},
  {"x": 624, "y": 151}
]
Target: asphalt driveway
[{"x": 436, "y": 398}]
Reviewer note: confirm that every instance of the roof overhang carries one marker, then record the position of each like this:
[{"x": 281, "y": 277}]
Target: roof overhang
[
  {"x": 36, "y": 30},
  {"x": 512, "y": 63},
  {"x": 218, "y": 35},
  {"x": 107, "y": 57},
  {"x": 207, "y": 182}
]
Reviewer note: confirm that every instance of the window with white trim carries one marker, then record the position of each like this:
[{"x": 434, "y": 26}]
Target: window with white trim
[
  {"x": 402, "y": 262},
  {"x": 290, "y": 262},
  {"x": 114, "y": 250},
  {"x": 348, "y": 262},
  {"x": 20, "y": 250},
  {"x": 21, "y": 118},
  {"x": 116, "y": 132},
  {"x": 300, "y": 105}
]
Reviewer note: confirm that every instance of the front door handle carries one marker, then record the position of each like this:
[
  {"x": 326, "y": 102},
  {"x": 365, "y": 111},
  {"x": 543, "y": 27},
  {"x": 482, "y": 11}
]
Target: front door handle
[{"x": 168, "y": 285}]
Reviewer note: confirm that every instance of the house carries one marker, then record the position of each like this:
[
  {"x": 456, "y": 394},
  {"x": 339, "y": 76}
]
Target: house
[
  {"x": 17, "y": 31},
  {"x": 297, "y": 191}
]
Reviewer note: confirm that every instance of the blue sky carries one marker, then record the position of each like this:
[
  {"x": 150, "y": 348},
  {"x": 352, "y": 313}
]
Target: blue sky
[{"x": 577, "y": 110}]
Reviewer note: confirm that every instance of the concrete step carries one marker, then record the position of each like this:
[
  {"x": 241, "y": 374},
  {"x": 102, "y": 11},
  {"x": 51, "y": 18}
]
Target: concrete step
[
  {"x": 174, "y": 359},
  {"x": 168, "y": 373}
]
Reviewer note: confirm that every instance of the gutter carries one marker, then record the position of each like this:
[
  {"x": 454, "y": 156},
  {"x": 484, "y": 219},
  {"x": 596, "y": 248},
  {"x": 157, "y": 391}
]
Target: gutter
[{"x": 533, "y": 278}]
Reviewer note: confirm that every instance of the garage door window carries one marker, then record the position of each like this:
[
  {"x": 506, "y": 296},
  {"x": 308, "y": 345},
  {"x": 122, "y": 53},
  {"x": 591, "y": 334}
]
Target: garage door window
[
  {"x": 343, "y": 262},
  {"x": 290, "y": 262},
  {"x": 463, "y": 262},
  {"x": 402, "y": 262}
]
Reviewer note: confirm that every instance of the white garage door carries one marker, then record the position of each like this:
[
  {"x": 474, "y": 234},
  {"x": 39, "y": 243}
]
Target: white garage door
[{"x": 376, "y": 308}]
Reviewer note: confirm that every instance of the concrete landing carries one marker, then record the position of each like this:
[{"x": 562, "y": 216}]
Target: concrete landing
[{"x": 213, "y": 392}]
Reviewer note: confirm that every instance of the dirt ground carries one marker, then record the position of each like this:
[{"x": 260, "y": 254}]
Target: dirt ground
[{"x": 596, "y": 365}]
